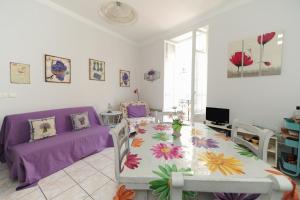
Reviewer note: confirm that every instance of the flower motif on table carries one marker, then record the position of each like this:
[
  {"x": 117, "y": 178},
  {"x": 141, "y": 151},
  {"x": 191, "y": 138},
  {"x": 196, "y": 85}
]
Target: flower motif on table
[
  {"x": 143, "y": 123},
  {"x": 222, "y": 136},
  {"x": 218, "y": 162},
  {"x": 196, "y": 132},
  {"x": 291, "y": 195},
  {"x": 206, "y": 143},
  {"x": 132, "y": 161},
  {"x": 161, "y": 186},
  {"x": 243, "y": 151},
  {"x": 124, "y": 194},
  {"x": 161, "y": 127},
  {"x": 235, "y": 196},
  {"x": 167, "y": 151},
  {"x": 137, "y": 142},
  {"x": 163, "y": 136},
  {"x": 140, "y": 130}
]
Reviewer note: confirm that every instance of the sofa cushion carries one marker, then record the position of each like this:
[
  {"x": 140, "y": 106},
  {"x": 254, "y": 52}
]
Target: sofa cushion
[
  {"x": 123, "y": 107},
  {"x": 43, "y": 157},
  {"x": 80, "y": 120},
  {"x": 136, "y": 111},
  {"x": 42, "y": 128}
]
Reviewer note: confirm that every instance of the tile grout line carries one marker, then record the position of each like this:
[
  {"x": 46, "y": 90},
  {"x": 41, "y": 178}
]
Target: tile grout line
[
  {"x": 80, "y": 185},
  {"x": 100, "y": 170},
  {"x": 42, "y": 192}
]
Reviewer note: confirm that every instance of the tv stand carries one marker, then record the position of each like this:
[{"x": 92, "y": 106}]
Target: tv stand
[
  {"x": 219, "y": 127},
  {"x": 217, "y": 123}
]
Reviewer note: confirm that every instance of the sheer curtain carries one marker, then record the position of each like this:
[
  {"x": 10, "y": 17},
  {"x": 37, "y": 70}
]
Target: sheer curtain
[
  {"x": 200, "y": 73},
  {"x": 169, "y": 76}
]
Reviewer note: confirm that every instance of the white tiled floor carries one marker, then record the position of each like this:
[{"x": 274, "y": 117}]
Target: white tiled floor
[{"x": 89, "y": 179}]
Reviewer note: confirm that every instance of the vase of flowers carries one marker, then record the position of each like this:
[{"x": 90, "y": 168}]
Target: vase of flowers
[
  {"x": 177, "y": 123},
  {"x": 136, "y": 92}
]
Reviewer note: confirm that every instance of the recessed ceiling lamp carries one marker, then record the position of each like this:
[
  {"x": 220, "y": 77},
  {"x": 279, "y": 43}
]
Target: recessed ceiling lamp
[{"x": 118, "y": 12}]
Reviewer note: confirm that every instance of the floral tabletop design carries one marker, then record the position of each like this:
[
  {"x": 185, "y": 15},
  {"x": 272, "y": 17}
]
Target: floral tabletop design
[{"x": 201, "y": 150}]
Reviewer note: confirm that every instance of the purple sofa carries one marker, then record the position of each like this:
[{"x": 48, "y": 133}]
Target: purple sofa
[{"x": 31, "y": 161}]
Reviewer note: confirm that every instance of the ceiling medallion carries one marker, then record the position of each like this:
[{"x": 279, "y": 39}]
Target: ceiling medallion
[{"x": 118, "y": 12}]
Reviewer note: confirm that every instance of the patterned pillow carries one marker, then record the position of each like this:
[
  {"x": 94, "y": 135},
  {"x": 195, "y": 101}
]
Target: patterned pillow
[
  {"x": 80, "y": 120},
  {"x": 42, "y": 128}
]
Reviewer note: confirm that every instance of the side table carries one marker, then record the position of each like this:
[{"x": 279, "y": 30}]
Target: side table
[{"x": 112, "y": 118}]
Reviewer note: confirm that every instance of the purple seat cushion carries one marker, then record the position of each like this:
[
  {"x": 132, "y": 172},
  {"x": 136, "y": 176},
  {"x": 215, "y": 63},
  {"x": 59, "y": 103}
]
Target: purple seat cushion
[
  {"x": 136, "y": 111},
  {"x": 43, "y": 157},
  {"x": 29, "y": 162}
]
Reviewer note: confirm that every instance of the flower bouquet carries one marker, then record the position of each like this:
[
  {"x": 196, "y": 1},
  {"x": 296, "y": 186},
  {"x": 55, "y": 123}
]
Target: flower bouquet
[{"x": 177, "y": 122}]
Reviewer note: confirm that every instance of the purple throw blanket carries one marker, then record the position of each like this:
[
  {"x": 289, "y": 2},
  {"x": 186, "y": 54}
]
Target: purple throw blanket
[{"x": 31, "y": 161}]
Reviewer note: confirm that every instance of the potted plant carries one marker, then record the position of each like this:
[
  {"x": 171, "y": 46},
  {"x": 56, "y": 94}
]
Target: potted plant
[{"x": 177, "y": 122}]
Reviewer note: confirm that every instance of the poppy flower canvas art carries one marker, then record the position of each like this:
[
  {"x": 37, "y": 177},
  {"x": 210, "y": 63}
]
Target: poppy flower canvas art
[
  {"x": 57, "y": 69},
  {"x": 124, "y": 78},
  {"x": 260, "y": 55}
]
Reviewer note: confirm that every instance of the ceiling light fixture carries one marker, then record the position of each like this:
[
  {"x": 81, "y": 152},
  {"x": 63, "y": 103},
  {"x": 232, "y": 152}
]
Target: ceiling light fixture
[{"x": 118, "y": 12}]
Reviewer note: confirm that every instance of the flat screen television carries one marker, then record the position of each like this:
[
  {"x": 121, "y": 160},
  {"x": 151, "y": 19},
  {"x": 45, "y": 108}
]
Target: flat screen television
[{"x": 217, "y": 115}]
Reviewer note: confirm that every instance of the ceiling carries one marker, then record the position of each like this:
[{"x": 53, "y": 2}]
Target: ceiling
[{"x": 154, "y": 16}]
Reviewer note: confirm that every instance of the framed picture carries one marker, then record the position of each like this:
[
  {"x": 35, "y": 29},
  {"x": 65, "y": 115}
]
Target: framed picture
[
  {"x": 19, "y": 73},
  {"x": 96, "y": 70},
  {"x": 151, "y": 75},
  {"x": 57, "y": 69},
  {"x": 260, "y": 55},
  {"x": 124, "y": 78}
]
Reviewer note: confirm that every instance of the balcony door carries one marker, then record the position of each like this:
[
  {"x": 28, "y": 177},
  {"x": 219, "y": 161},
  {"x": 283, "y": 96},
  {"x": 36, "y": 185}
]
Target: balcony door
[{"x": 185, "y": 74}]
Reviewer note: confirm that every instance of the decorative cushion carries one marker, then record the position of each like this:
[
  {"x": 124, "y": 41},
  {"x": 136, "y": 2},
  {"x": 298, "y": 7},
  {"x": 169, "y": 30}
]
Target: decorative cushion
[
  {"x": 136, "y": 111},
  {"x": 123, "y": 107},
  {"x": 80, "y": 121},
  {"x": 42, "y": 128}
]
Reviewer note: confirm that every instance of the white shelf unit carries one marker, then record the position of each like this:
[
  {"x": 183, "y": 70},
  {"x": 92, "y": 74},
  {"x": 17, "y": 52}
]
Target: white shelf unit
[{"x": 273, "y": 144}]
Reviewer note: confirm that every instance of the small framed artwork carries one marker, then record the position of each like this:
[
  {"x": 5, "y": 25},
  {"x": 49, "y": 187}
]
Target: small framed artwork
[
  {"x": 19, "y": 73},
  {"x": 57, "y": 69},
  {"x": 96, "y": 70},
  {"x": 124, "y": 78}
]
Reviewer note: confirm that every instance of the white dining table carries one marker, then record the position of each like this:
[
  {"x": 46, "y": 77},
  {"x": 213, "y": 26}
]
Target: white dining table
[{"x": 199, "y": 152}]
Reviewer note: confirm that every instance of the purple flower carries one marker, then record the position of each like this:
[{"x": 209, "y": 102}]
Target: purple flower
[
  {"x": 235, "y": 196},
  {"x": 59, "y": 69},
  {"x": 125, "y": 78},
  {"x": 205, "y": 143},
  {"x": 151, "y": 72}
]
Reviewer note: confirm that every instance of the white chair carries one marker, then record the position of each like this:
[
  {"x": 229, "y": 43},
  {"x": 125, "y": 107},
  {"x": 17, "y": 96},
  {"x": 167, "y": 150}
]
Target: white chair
[
  {"x": 270, "y": 188},
  {"x": 120, "y": 137},
  {"x": 264, "y": 137}
]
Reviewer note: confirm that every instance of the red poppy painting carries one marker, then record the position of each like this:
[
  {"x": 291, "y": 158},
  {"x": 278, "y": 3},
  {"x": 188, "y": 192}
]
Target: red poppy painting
[
  {"x": 241, "y": 59},
  {"x": 256, "y": 56},
  {"x": 265, "y": 38}
]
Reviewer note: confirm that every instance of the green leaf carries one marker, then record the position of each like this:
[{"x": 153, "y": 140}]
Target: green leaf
[
  {"x": 164, "y": 195},
  {"x": 163, "y": 175},
  {"x": 161, "y": 189},
  {"x": 164, "y": 170},
  {"x": 187, "y": 195}
]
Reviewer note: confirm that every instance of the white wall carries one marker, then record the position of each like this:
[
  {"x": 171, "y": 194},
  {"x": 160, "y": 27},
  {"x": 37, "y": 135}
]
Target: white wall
[
  {"x": 29, "y": 30},
  {"x": 260, "y": 100}
]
